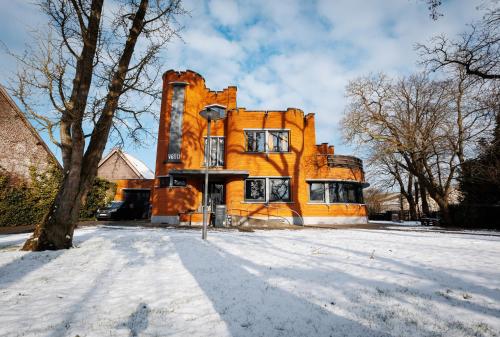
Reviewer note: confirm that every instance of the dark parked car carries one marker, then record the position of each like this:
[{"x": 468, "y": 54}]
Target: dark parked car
[{"x": 120, "y": 210}]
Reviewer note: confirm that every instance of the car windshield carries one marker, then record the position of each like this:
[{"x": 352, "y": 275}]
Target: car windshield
[{"x": 115, "y": 204}]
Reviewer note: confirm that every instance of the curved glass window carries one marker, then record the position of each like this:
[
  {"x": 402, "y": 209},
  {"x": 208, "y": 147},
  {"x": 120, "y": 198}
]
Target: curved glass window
[{"x": 336, "y": 192}]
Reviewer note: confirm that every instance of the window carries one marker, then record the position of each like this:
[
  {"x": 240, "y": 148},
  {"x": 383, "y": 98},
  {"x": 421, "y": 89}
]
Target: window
[
  {"x": 267, "y": 190},
  {"x": 278, "y": 141},
  {"x": 164, "y": 181},
  {"x": 173, "y": 181},
  {"x": 336, "y": 192},
  {"x": 267, "y": 140},
  {"x": 255, "y": 141},
  {"x": 255, "y": 189},
  {"x": 279, "y": 189},
  {"x": 179, "y": 181},
  {"x": 216, "y": 151},
  {"x": 317, "y": 192}
]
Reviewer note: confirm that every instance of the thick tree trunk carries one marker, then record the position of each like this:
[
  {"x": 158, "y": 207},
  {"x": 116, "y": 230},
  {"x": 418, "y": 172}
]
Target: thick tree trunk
[
  {"x": 417, "y": 198},
  {"x": 423, "y": 197},
  {"x": 412, "y": 207},
  {"x": 56, "y": 229},
  {"x": 444, "y": 210}
]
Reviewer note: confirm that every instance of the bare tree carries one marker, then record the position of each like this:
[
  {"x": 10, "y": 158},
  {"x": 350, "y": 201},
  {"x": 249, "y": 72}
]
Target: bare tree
[
  {"x": 98, "y": 68},
  {"x": 433, "y": 6},
  {"x": 477, "y": 51},
  {"x": 374, "y": 199},
  {"x": 390, "y": 173},
  {"x": 414, "y": 119}
]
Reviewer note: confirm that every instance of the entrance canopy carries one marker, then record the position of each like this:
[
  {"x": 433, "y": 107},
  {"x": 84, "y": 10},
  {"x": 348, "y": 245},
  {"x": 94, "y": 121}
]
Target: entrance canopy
[{"x": 216, "y": 173}]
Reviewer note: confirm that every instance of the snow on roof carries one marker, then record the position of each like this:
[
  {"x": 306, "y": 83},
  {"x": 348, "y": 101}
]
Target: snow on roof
[{"x": 140, "y": 166}]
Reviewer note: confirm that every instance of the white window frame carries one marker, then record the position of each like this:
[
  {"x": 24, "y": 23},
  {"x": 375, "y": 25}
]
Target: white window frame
[
  {"x": 217, "y": 153},
  {"x": 267, "y": 186},
  {"x": 266, "y": 140}
]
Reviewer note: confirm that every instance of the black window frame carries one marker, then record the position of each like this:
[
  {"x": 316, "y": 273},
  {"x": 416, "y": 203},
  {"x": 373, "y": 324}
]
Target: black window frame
[
  {"x": 289, "y": 190},
  {"x": 246, "y": 190},
  {"x": 339, "y": 192},
  {"x": 178, "y": 181},
  {"x": 267, "y": 190},
  {"x": 172, "y": 181}
]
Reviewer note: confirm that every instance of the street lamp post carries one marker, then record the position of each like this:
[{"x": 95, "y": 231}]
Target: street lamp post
[
  {"x": 211, "y": 112},
  {"x": 207, "y": 164}
]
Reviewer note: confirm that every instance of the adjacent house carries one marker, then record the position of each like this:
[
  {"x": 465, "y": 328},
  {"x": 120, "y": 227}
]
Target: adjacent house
[
  {"x": 134, "y": 180},
  {"x": 21, "y": 147},
  {"x": 263, "y": 164}
]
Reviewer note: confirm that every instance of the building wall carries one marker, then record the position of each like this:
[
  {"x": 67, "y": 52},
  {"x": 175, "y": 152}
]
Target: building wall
[
  {"x": 116, "y": 168},
  {"x": 123, "y": 184},
  {"x": 20, "y": 145},
  {"x": 304, "y": 161},
  {"x": 171, "y": 201}
]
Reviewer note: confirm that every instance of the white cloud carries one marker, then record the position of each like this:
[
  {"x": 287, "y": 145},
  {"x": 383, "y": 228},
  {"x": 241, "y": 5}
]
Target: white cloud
[
  {"x": 296, "y": 53},
  {"x": 225, "y": 11}
]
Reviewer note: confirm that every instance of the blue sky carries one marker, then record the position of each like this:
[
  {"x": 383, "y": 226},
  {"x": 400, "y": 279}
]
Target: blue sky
[{"x": 281, "y": 54}]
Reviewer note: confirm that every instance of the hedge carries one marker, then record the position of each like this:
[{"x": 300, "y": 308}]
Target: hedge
[{"x": 25, "y": 204}]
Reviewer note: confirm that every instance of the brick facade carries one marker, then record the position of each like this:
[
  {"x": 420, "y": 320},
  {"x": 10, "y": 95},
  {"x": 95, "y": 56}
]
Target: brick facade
[
  {"x": 303, "y": 162},
  {"x": 20, "y": 145}
]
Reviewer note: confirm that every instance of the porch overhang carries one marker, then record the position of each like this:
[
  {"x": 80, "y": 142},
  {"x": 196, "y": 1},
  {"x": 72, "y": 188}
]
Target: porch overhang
[{"x": 215, "y": 173}]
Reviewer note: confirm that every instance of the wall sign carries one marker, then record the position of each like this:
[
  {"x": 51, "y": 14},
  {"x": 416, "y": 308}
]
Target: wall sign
[{"x": 176, "y": 116}]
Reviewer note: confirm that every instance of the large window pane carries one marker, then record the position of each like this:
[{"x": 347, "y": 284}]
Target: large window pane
[
  {"x": 279, "y": 189},
  {"x": 345, "y": 192},
  {"x": 333, "y": 191},
  {"x": 216, "y": 151},
  {"x": 255, "y": 189},
  {"x": 360, "y": 194},
  {"x": 317, "y": 192},
  {"x": 351, "y": 193},
  {"x": 220, "y": 153},
  {"x": 214, "y": 145},
  {"x": 278, "y": 141},
  {"x": 179, "y": 181},
  {"x": 255, "y": 141}
]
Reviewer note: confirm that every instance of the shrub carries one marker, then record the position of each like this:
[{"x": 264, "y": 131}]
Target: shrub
[
  {"x": 25, "y": 204},
  {"x": 102, "y": 193}
]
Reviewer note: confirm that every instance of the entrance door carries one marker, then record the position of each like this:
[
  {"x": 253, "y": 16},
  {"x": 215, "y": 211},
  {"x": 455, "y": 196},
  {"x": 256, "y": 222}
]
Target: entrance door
[{"x": 216, "y": 195}]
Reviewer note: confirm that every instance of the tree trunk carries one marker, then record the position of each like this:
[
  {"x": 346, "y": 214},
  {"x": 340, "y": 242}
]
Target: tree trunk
[
  {"x": 412, "y": 207},
  {"x": 417, "y": 198},
  {"x": 425, "y": 204},
  {"x": 444, "y": 210},
  {"x": 55, "y": 231}
]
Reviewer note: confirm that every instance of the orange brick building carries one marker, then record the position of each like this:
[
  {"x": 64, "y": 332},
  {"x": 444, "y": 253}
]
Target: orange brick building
[{"x": 263, "y": 164}]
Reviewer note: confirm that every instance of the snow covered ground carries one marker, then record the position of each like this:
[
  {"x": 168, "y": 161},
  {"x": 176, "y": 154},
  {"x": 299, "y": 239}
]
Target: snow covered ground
[{"x": 162, "y": 282}]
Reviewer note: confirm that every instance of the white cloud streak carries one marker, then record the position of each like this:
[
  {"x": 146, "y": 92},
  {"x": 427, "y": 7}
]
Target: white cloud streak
[{"x": 291, "y": 53}]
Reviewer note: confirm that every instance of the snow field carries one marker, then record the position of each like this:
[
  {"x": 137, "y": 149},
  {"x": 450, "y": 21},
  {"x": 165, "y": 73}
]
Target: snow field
[{"x": 161, "y": 282}]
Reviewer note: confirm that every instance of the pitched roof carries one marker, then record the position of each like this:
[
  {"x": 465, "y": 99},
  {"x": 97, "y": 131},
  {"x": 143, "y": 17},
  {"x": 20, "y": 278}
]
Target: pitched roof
[{"x": 135, "y": 164}]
